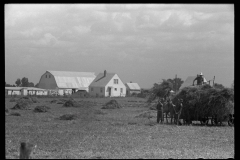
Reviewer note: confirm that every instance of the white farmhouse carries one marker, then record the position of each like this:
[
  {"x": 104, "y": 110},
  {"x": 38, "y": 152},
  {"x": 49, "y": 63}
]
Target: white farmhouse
[
  {"x": 64, "y": 82},
  {"x": 107, "y": 85}
]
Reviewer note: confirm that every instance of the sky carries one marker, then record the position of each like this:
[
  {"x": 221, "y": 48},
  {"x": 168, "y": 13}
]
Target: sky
[{"x": 142, "y": 43}]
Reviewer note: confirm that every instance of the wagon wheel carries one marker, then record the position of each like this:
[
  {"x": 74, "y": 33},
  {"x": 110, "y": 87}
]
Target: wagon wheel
[{"x": 231, "y": 122}]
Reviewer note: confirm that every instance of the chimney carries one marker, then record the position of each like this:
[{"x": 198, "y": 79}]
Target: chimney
[{"x": 105, "y": 72}]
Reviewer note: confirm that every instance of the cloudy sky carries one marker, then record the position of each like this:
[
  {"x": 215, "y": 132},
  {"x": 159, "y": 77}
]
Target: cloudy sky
[{"x": 143, "y": 43}]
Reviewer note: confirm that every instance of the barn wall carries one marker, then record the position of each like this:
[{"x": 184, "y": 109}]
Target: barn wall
[{"x": 47, "y": 81}]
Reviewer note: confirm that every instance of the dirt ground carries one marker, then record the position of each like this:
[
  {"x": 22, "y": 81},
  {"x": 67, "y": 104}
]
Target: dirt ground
[{"x": 110, "y": 133}]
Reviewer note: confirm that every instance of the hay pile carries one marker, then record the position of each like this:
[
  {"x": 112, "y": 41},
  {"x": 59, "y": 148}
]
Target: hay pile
[
  {"x": 54, "y": 101},
  {"x": 71, "y": 103},
  {"x": 68, "y": 117},
  {"x": 34, "y": 99},
  {"x": 23, "y": 103},
  {"x": 113, "y": 104},
  {"x": 61, "y": 101},
  {"x": 40, "y": 109},
  {"x": 14, "y": 114},
  {"x": 13, "y": 100}
]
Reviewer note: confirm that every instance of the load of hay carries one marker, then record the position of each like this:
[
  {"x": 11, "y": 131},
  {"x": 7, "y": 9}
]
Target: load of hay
[
  {"x": 68, "y": 117},
  {"x": 71, "y": 103},
  {"x": 112, "y": 104},
  {"x": 206, "y": 101},
  {"x": 13, "y": 100},
  {"x": 40, "y": 109},
  {"x": 23, "y": 103}
]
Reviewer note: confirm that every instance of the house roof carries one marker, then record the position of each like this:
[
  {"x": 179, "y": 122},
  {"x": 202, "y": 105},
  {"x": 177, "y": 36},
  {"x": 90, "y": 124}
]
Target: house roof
[
  {"x": 133, "y": 86},
  {"x": 101, "y": 81},
  {"x": 77, "y": 80},
  {"x": 189, "y": 81}
]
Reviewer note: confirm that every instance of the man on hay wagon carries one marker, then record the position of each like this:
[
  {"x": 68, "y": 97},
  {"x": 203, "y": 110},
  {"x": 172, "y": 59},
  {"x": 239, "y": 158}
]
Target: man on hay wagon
[{"x": 200, "y": 79}]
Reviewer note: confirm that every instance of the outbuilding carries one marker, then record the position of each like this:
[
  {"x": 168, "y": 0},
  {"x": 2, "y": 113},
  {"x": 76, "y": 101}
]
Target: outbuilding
[
  {"x": 107, "y": 85},
  {"x": 64, "y": 82},
  {"x": 132, "y": 88}
]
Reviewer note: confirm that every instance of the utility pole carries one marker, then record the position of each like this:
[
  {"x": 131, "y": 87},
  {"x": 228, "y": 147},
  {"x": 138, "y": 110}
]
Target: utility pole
[{"x": 176, "y": 83}]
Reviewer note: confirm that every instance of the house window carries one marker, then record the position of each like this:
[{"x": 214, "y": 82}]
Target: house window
[
  {"x": 49, "y": 76},
  {"x": 101, "y": 90},
  {"x": 115, "y": 89},
  {"x": 91, "y": 89},
  {"x": 121, "y": 90},
  {"x": 115, "y": 81},
  {"x": 46, "y": 76}
]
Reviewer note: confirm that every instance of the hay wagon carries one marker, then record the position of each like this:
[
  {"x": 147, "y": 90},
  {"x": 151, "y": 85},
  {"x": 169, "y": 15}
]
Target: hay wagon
[{"x": 212, "y": 105}]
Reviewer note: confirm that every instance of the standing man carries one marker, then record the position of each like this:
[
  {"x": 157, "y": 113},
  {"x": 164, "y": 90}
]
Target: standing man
[
  {"x": 159, "y": 111},
  {"x": 200, "y": 79}
]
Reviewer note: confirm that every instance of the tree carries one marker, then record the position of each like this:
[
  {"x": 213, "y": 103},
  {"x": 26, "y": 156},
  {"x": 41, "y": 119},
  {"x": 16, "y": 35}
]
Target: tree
[
  {"x": 177, "y": 82},
  {"x": 30, "y": 84},
  {"x": 18, "y": 82},
  {"x": 219, "y": 86},
  {"x": 24, "y": 82},
  {"x": 160, "y": 90}
]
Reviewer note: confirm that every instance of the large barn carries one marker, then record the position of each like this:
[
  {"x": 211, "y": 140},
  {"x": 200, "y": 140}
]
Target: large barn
[{"x": 65, "y": 82}]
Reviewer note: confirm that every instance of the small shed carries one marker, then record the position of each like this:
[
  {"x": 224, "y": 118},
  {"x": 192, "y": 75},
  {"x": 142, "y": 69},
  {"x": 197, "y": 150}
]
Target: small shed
[{"x": 132, "y": 88}]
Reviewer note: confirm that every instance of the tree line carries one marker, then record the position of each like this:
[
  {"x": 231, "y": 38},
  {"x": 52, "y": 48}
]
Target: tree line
[{"x": 22, "y": 83}]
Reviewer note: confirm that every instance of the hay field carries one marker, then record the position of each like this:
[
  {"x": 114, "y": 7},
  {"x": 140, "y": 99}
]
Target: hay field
[{"x": 110, "y": 133}]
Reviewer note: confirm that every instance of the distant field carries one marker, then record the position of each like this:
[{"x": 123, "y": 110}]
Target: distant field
[{"x": 111, "y": 133}]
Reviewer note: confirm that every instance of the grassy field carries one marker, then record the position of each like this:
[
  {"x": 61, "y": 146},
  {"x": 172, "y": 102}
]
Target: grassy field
[{"x": 111, "y": 133}]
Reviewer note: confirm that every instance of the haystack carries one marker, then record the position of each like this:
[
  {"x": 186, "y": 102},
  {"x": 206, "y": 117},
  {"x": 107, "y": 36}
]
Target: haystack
[
  {"x": 61, "y": 101},
  {"x": 13, "y": 100},
  {"x": 113, "y": 104},
  {"x": 54, "y": 101},
  {"x": 23, "y": 104},
  {"x": 71, "y": 103},
  {"x": 41, "y": 109},
  {"x": 14, "y": 114},
  {"x": 34, "y": 99}
]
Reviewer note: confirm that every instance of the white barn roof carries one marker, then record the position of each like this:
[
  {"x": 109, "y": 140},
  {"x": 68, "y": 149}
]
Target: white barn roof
[
  {"x": 20, "y": 88},
  {"x": 189, "y": 81},
  {"x": 133, "y": 86},
  {"x": 78, "y": 80}
]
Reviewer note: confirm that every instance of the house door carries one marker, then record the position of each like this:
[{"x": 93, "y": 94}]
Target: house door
[{"x": 109, "y": 91}]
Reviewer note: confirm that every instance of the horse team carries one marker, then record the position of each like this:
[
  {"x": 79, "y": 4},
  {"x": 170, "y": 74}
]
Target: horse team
[{"x": 174, "y": 111}]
